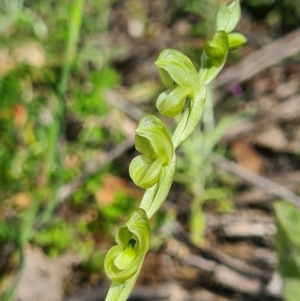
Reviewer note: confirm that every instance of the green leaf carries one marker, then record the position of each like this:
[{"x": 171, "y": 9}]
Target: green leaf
[
  {"x": 291, "y": 288},
  {"x": 288, "y": 248},
  {"x": 197, "y": 222},
  {"x": 288, "y": 218}
]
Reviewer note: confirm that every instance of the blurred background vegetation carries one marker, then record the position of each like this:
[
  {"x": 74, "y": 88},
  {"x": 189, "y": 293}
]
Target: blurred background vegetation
[{"x": 58, "y": 59}]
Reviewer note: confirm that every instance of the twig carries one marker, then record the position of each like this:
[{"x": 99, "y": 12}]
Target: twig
[
  {"x": 261, "y": 59},
  {"x": 257, "y": 180},
  {"x": 287, "y": 111},
  {"x": 225, "y": 276},
  {"x": 115, "y": 99}
]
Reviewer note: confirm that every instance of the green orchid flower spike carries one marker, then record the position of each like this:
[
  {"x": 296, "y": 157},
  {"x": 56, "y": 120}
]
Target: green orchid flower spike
[
  {"x": 154, "y": 142},
  {"x": 154, "y": 168}
]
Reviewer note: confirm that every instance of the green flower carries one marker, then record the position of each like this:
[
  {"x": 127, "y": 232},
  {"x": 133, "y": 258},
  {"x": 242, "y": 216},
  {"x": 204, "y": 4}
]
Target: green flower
[
  {"x": 154, "y": 142},
  {"x": 133, "y": 241},
  {"x": 181, "y": 77},
  {"x": 171, "y": 102}
]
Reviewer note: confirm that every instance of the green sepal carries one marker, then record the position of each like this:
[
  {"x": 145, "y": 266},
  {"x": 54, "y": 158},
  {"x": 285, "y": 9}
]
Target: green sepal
[
  {"x": 135, "y": 237},
  {"x": 171, "y": 102},
  {"x": 121, "y": 290},
  {"x": 156, "y": 195},
  {"x": 236, "y": 40},
  {"x": 228, "y": 16},
  {"x": 175, "y": 67},
  {"x": 153, "y": 139},
  {"x": 145, "y": 172},
  {"x": 217, "y": 48},
  {"x": 214, "y": 57}
]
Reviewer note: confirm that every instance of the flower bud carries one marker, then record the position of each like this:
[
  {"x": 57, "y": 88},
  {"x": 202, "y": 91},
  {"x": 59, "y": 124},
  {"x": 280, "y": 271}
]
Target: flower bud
[
  {"x": 217, "y": 48},
  {"x": 228, "y": 16}
]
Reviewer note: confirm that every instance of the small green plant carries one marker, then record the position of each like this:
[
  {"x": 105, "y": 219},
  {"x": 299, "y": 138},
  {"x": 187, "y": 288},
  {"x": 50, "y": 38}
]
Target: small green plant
[
  {"x": 55, "y": 238},
  {"x": 195, "y": 169},
  {"x": 288, "y": 248},
  {"x": 154, "y": 169}
]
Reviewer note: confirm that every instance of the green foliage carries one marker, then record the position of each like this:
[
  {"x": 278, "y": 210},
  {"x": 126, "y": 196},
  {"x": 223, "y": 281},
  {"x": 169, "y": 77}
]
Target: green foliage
[
  {"x": 123, "y": 205},
  {"x": 55, "y": 238},
  {"x": 9, "y": 231},
  {"x": 288, "y": 248},
  {"x": 220, "y": 197},
  {"x": 94, "y": 263},
  {"x": 15, "y": 13},
  {"x": 92, "y": 102}
]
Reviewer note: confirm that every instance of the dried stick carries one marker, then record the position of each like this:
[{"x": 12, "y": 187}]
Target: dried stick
[{"x": 257, "y": 180}]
